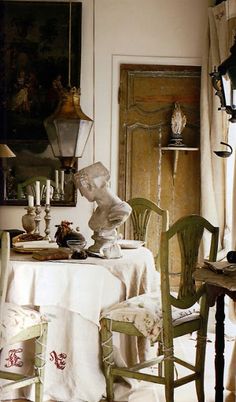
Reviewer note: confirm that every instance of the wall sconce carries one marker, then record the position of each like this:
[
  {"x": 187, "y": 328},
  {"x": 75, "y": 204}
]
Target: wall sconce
[
  {"x": 68, "y": 129},
  {"x": 5, "y": 152},
  {"x": 224, "y": 81}
]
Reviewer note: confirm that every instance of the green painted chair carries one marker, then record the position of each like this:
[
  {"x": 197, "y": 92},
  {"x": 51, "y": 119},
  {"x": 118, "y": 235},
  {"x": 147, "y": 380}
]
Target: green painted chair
[
  {"x": 19, "y": 324},
  {"x": 142, "y": 212},
  {"x": 162, "y": 318},
  {"x": 142, "y": 209}
]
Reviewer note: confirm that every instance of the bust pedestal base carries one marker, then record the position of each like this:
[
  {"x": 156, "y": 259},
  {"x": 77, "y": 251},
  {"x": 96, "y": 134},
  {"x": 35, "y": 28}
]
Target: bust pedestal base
[{"x": 103, "y": 240}]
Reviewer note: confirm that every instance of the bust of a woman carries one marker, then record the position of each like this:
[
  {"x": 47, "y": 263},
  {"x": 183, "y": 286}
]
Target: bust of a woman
[{"x": 93, "y": 183}]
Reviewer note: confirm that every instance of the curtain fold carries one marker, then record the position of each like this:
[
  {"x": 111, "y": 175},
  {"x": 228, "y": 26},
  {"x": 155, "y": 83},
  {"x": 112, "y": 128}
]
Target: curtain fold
[
  {"x": 218, "y": 175},
  {"x": 214, "y": 125}
]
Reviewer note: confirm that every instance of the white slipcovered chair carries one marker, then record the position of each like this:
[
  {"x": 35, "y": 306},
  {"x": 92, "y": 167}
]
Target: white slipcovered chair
[{"x": 19, "y": 324}]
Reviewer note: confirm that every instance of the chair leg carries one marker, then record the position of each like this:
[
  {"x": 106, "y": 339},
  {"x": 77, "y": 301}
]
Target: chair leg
[
  {"x": 40, "y": 360},
  {"x": 107, "y": 357},
  {"x": 200, "y": 365},
  {"x": 201, "y": 350},
  {"x": 168, "y": 350},
  {"x": 169, "y": 378},
  {"x": 160, "y": 365}
]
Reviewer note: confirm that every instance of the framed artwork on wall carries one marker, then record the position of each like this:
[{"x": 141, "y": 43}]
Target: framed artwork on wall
[{"x": 40, "y": 52}]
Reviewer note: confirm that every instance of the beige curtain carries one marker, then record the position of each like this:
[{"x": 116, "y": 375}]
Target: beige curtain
[
  {"x": 214, "y": 125},
  {"x": 218, "y": 176}
]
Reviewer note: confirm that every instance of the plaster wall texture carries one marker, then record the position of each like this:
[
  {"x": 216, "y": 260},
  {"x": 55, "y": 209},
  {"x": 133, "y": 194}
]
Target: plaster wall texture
[{"x": 115, "y": 32}]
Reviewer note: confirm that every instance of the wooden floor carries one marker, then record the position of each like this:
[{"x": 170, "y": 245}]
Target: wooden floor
[{"x": 187, "y": 392}]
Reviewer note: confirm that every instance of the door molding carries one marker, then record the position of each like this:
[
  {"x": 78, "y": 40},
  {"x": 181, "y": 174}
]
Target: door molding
[{"x": 116, "y": 61}]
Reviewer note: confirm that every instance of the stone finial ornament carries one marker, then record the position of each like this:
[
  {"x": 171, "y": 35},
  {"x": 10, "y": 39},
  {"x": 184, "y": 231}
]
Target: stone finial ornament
[{"x": 111, "y": 212}]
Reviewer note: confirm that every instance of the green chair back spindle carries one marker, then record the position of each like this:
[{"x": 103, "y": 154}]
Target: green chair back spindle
[{"x": 143, "y": 210}]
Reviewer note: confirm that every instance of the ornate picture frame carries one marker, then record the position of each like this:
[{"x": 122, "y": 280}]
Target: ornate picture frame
[{"x": 34, "y": 64}]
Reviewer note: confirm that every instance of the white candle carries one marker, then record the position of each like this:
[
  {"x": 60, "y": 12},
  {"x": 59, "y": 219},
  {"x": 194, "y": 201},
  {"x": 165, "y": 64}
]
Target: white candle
[
  {"x": 56, "y": 179},
  {"x": 37, "y": 192},
  {"x": 48, "y": 192},
  {"x": 30, "y": 201},
  {"x": 62, "y": 180}
]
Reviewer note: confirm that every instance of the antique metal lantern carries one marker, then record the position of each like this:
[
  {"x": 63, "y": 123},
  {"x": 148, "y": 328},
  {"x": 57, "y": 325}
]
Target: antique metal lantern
[
  {"x": 68, "y": 129},
  {"x": 224, "y": 81}
]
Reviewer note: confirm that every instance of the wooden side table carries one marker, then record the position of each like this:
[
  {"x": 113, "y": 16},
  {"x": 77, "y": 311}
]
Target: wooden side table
[{"x": 218, "y": 285}]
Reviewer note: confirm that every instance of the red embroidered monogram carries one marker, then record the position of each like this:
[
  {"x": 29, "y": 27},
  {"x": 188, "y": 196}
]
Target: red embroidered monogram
[
  {"x": 59, "y": 359},
  {"x": 13, "y": 359}
]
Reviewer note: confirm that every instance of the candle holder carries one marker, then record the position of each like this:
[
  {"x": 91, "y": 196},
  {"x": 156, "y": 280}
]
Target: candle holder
[
  {"x": 62, "y": 194},
  {"x": 56, "y": 194},
  {"x": 47, "y": 219},
  {"x": 28, "y": 220},
  {"x": 37, "y": 218}
]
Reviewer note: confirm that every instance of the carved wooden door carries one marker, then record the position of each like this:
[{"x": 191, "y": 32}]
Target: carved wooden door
[{"x": 169, "y": 178}]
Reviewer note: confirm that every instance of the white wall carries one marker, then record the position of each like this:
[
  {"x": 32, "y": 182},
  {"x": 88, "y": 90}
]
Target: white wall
[{"x": 114, "y": 32}]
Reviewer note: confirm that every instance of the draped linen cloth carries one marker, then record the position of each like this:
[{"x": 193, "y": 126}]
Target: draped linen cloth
[
  {"x": 214, "y": 124},
  {"x": 218, "y": 176},
  {"x": 73, "y": 294}
]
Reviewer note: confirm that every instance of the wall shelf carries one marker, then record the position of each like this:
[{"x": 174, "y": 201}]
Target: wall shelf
[{"x": 176, "y": 151}]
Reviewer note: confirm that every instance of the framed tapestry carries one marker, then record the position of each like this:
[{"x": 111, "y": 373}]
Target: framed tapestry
[{"x": 40, "y": 52}]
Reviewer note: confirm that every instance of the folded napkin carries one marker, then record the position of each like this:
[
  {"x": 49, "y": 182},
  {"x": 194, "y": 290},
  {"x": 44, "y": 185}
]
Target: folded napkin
[{"x": 36, "y": 244}]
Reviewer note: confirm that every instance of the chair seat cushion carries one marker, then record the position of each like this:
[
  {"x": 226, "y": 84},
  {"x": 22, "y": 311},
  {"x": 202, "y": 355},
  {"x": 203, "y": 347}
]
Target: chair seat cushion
[
  {"x": 16, "y": 319},
  {"x": 145, "y": 313}
]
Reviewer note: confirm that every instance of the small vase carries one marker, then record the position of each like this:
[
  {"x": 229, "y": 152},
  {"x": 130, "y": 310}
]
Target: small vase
[{"x": 28, "y": 220}]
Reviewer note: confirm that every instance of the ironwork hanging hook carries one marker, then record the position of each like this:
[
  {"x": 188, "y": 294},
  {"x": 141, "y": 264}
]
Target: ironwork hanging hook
[{"x": 224, "y": 154}]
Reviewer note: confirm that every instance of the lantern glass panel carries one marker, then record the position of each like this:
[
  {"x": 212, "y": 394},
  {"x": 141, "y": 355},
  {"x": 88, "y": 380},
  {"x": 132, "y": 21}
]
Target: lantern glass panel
[
  {"x": 52, "y": 136},
  {"x": 226, "y": 89},
  {"x": 84, "y": 130},
  {"x": 67, "y": 135}
]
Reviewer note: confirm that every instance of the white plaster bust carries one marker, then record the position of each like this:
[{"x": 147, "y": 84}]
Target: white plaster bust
[{"x": 93, "y": 183}]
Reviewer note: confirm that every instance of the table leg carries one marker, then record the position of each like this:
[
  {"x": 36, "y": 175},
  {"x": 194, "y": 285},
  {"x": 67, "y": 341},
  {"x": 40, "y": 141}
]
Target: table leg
[{"x": 219, "y": 349}]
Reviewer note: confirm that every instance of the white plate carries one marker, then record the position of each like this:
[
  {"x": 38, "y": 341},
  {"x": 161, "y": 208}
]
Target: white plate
[{"x": 130, "y": 243}]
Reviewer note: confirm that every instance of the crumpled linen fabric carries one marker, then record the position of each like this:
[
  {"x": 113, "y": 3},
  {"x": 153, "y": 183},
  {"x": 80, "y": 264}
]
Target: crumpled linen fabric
[
  {"x": 145, "y": 312},
  {"x": 15, "y": 319}
]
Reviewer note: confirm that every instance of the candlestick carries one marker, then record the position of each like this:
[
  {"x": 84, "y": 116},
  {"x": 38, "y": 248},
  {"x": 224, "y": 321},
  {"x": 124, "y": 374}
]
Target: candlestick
[
  {"x": 62, "y": 185},
  {"x": 30, "y": 201},
  {"x": 37, "y": 192},
  {"x": 56, "y": 179},
  {"x": 47, "y": 219},
  {"x": 56, "y": 194},
  {"x": 48, "y": 191},
  {"x": 62, "y": 179},
  {"x": 37, "y": 218}
]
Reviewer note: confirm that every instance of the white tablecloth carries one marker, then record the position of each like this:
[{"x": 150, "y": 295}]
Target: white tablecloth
[{"x": 73, "y": 295}]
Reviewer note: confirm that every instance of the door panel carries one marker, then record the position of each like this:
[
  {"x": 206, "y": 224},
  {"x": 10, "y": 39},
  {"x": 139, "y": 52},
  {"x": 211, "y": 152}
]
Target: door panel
[{"x": 147, "y": 97}]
